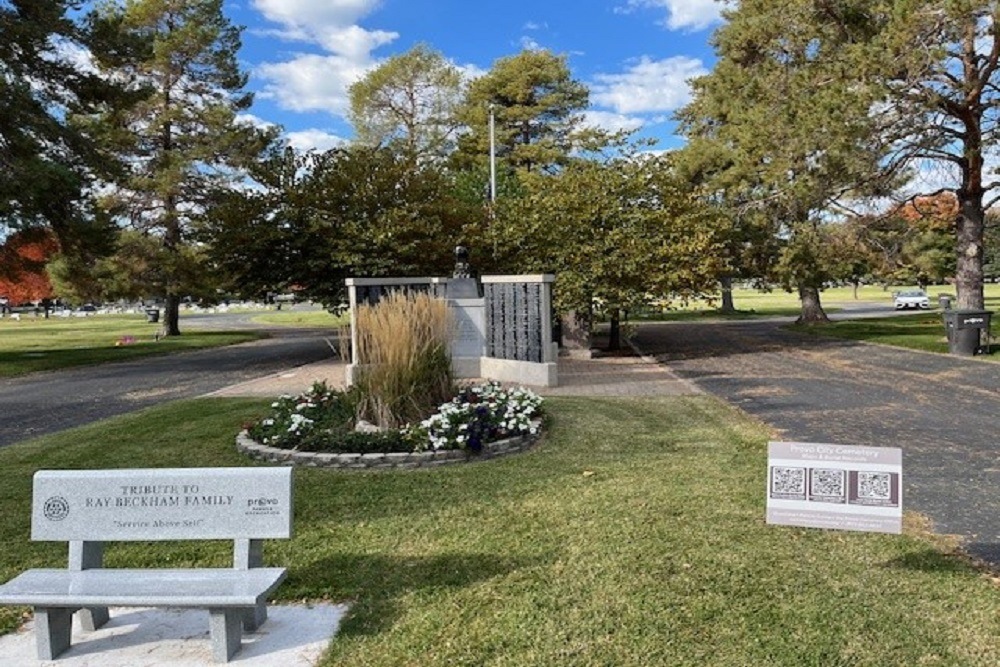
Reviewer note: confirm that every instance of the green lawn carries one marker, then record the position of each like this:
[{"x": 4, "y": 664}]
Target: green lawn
[
  {"x": 919, "y": 331},
  {"x": 633, "y": 534},
  {"x": 38, "y": 344}
]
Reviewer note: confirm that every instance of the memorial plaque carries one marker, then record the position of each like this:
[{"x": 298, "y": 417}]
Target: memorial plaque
[
  {"x": 509, "y": 323},
  {"x": 522, "y": 322},
  {"x": 494, "y": 318},
  {"x": 469, "y": 317},
  {"x": 155, "y": 504},
  {"x": 535, "y": 342},
  {"x": 844, "y": 487}
]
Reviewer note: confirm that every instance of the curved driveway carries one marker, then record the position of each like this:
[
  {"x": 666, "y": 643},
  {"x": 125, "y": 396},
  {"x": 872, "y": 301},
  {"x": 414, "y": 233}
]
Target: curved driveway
[
  {"x": 52, "y": 401},
  {"x": 943, "y": 411}
]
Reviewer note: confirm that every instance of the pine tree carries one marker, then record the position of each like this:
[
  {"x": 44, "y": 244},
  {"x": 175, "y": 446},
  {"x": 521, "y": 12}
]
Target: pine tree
[
  {"x": 181, "y": 139},
  {"x": 46, "y": 163}
]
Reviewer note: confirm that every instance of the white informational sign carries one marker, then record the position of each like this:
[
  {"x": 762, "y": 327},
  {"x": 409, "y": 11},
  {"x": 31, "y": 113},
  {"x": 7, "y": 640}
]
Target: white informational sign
[{"x": 844, "y": 487}]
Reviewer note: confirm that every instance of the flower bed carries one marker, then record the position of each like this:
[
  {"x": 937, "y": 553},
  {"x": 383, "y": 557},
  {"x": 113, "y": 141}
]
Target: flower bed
[{"x": 318, "y": 428}]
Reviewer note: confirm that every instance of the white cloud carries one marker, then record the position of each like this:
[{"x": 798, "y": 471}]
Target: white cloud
[
  {"x": 331, "y": 24},
  {"x": 530, "y": 44},
  {"x": 681, "y": 14},
  {"x": 312, "y": 82},
  {"x": 319, "y": 82},
  {"x": 354, "y": 41},
  {"x": 648, "y": 86},
  {"x": 470, "y": 72},
  {"x": 612, "y": 122},
  {"x": 320, "y": 140},
  {"x": 256, "y": 121}
]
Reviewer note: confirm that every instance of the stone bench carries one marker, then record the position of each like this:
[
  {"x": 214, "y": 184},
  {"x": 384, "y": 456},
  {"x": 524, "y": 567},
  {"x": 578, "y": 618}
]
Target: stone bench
[{"x": 88, "y": 508}]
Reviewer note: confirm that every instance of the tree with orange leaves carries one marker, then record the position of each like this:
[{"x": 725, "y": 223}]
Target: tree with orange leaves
[{"x": 23, "y": 278}]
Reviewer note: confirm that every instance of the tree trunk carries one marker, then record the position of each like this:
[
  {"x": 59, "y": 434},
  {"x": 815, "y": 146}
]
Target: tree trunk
[
  {"x": 575, "y": 328},
  {"x": 854, "y": 289},
  {"x": 969, "y": 246},
  {"x": 171, "y": 315},
  {"x": 615, "y": 331},
  {"x": 727, "y": 306},
  {"x": 812, "y": 311},
  {"x": 969, "y": 225}
]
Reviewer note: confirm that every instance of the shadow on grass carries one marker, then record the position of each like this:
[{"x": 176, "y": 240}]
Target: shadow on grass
[
  {"x": 929, "y": 560},
  {"x": 375, "y": 583}
]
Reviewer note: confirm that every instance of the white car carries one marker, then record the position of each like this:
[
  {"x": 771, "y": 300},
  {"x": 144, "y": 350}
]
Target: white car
[{"x": 916, "y": 298}]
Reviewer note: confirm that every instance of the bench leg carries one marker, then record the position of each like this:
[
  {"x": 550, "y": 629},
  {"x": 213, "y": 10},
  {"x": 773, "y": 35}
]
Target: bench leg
[
  {"x": 53, "y": 626},
  {"x": 226, "y": 626},
  {"x": 91, "y": 618},
  {"x": 254, "y": 618}
]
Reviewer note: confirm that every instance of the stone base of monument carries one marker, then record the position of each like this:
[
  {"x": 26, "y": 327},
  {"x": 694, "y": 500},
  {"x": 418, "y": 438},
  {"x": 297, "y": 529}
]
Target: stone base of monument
[
  {"x": 507, "y": 371},
  {"x": 520, "y": 372}
]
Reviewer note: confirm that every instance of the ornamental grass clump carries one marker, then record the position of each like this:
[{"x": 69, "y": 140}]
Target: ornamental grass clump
[{"x": 405, "y": 364}]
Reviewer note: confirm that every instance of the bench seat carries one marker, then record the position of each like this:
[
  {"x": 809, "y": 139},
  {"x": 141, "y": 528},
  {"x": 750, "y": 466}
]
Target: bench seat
[
  {"x": 142, "y": 588},
  {"x": 56, "y": 594}
]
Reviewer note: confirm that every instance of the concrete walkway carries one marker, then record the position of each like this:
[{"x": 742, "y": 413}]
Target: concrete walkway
[
  {"x": 293, "y": 636},
  {"x": 608, "y": 376}
]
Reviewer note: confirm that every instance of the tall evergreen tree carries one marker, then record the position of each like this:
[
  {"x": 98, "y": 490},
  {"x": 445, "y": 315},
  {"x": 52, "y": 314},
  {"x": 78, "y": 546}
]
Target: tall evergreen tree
[
  {"x": 796, "y": 142},
  {"x": 537, "y": 108},
  {"x": 182, "y": 141},
  {"x": 916, "y": 82},
  {"x": 46, "y": 163}
]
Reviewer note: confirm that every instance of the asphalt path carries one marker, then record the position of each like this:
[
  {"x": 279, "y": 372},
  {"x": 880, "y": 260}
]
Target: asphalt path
[
  {"x": 53, "y": 401},
  {"x": 942, "y": 410}
]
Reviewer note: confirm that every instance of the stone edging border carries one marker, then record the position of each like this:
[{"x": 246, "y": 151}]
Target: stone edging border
[{"x": 397, "y": 461}]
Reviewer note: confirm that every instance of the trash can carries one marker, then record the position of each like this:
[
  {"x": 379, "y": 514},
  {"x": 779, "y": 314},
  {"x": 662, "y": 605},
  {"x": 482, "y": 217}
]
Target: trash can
[
  {"x": 964, "y": 329},
  {"x": 944, "y": 301},
  {"x": 153, "y": 315}
]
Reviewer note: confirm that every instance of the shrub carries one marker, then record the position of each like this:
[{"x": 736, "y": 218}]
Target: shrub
[{"x": 403, "y": 357}]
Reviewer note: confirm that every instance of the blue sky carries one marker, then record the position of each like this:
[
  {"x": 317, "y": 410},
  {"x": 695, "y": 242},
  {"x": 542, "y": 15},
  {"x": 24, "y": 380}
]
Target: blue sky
[{"x": 634, "y": 55}]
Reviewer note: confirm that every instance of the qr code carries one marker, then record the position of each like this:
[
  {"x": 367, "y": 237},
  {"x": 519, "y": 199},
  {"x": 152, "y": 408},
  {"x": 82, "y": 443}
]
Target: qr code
[
  {"x": 788, "y": 480},
  {"x": 875, "y": 485},
  {"x": 829, "y": 483}
]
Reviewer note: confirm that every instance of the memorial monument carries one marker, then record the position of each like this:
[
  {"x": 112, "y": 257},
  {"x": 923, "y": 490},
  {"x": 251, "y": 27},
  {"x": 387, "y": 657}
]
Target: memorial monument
[{"x": 502, "y": 324}]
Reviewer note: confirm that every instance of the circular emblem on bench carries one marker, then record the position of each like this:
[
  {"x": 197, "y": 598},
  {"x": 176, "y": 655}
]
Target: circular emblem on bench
[{"x": 56, "y": 508}]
